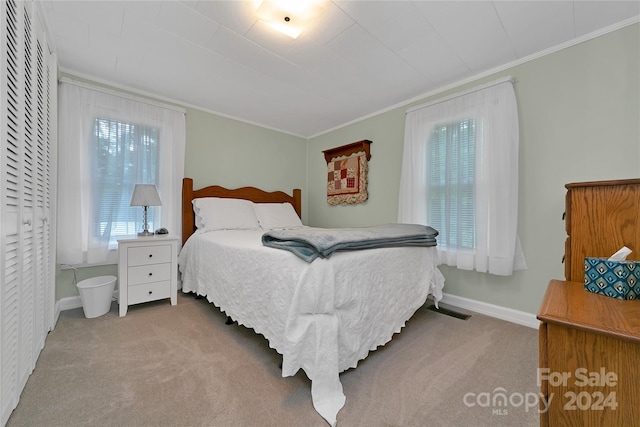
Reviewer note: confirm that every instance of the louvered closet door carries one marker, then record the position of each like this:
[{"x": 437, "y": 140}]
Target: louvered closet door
[
  {"x": 27, "y": 168},
  {"x": 11, "y": 265},
  {"x": 26, "y": 330},
  {"x": 44, "y": 178}
]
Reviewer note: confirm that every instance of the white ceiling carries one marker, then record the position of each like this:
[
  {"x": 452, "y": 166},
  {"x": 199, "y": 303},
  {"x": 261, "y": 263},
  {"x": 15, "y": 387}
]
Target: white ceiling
[{"x": 357, "y": 58}]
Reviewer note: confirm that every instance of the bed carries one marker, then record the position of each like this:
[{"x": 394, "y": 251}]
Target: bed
[{"x": 322, "y": 316}]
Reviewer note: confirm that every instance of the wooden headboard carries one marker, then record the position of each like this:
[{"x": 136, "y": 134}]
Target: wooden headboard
[{"x": 249, "y": 193}]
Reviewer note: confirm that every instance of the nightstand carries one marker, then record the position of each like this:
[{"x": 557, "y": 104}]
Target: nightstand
[{"x": 147, "y": 270}]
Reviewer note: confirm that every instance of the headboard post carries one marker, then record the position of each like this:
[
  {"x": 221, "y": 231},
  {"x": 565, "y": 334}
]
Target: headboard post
[
  {"x": 188, "y": 220},
  {"x": 297, "y": 201}
]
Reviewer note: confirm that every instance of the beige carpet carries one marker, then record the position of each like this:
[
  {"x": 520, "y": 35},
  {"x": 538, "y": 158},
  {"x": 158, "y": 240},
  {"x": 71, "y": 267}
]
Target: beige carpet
[{"x": 182, "y": 366}]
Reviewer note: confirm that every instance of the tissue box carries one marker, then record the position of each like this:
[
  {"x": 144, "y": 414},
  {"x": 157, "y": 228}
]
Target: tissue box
[{"x": 616, "y": 279}]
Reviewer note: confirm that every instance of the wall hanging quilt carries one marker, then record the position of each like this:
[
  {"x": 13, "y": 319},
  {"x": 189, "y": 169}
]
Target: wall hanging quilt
[{"x": 347, "y": 179}]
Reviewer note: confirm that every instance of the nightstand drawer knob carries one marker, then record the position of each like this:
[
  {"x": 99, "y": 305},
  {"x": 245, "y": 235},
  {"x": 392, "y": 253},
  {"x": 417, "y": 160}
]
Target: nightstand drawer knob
[
  {"x": 150, "y": 292},
  {"x": 150, "y": 255},
  {"x": 150, "y": 274}
]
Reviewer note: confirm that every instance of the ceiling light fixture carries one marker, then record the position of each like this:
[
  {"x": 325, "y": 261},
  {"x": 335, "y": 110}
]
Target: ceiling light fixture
[{"x": 289, "y": 16}]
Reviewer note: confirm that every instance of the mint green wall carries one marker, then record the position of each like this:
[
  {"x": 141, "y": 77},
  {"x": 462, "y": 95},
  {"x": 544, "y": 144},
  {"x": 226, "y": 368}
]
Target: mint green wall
[
  {"x": 234, "y": 154},
  {"x": 579, "y": 121},
  {"x": 65, "y": 286},
  {"x": 386, "y": 133}
]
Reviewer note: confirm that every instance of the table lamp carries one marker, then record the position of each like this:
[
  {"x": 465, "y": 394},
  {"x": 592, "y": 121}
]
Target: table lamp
[{"x": 145, "y": 195}]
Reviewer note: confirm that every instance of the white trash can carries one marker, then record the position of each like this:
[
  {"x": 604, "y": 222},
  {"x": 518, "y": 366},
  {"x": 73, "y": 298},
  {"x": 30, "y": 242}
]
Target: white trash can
[{"x": 96, "y": 294}]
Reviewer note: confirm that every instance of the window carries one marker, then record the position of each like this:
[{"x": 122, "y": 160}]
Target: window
[
  {"x": 108, "y": 142},
  {"x": 125, "y": 154},
  {"x": 460, "y": 176},
  {"x": 451, "y": 184}
]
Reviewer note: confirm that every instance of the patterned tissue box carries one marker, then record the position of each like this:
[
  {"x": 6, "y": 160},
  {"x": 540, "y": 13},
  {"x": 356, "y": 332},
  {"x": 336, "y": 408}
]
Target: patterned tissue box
[{"x": 616, "y": 279}]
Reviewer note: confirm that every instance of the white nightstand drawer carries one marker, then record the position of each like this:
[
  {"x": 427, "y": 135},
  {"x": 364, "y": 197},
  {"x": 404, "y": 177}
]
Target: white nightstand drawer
[
  {"x": 144, "y": 255},
  {"x": 149, "y": 292},
  {"x": 149, "y": 273}
]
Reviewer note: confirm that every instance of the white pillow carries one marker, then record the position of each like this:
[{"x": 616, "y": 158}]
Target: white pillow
[
  {"x": 215, "y": 213},
  {"x": 277, "y": 215}
]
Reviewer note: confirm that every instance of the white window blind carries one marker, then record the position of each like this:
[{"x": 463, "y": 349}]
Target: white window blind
[
  {"x": 451, "y": 184},
  {"x": 125, "y": 154}
]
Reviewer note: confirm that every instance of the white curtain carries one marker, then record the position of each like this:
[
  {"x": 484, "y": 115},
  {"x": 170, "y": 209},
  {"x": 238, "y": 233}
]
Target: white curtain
[
  {"x": 494, "y": 109},
  {"x": 79, "y": 106}
]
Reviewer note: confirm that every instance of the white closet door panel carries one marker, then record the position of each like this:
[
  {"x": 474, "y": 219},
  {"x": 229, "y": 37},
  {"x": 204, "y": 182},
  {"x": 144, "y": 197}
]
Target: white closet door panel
[
  {"x": 11, "y": 204},
  {"x": 28, "y": 296},
  {"x": 41, "y": 251},
  {"x": 49, "y": 220}
]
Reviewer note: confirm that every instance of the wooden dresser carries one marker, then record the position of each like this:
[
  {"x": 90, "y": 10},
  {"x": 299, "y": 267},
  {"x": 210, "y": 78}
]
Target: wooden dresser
[
  {"x": 600, "y": 218},
  {"x": 589, "y": 358},
  {"x": 589, "y": 343}
]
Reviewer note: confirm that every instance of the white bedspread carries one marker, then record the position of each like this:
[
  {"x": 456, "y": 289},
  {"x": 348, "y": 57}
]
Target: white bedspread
[{"x": 323, "y": 317}]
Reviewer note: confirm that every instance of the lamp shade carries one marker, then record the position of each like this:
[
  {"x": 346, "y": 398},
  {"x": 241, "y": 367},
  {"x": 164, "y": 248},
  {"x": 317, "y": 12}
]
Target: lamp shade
[{"x": 145, "y": 195}]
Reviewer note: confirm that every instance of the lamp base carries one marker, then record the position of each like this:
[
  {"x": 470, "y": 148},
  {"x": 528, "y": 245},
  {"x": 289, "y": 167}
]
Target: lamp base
[{"x": 146, "y": 233}]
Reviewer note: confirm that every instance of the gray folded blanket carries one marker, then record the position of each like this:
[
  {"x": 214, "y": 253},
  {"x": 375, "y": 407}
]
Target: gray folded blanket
[{"x": 310, "y": 243}]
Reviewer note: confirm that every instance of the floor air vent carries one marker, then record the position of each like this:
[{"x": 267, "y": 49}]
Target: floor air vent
[{"x": 448, "y": 312}]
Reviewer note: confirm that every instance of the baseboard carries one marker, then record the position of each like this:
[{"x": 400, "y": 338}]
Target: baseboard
[
  {"x": 503, "y": 313},
  {"x": 69, "y": 303}
]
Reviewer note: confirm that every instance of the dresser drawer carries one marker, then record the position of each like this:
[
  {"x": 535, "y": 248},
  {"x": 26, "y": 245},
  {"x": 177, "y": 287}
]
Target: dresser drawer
[
  {"x": 149, "y": 273},
  {"x": 145, "y": 255},
  {"x": 149, "y": 292}
]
